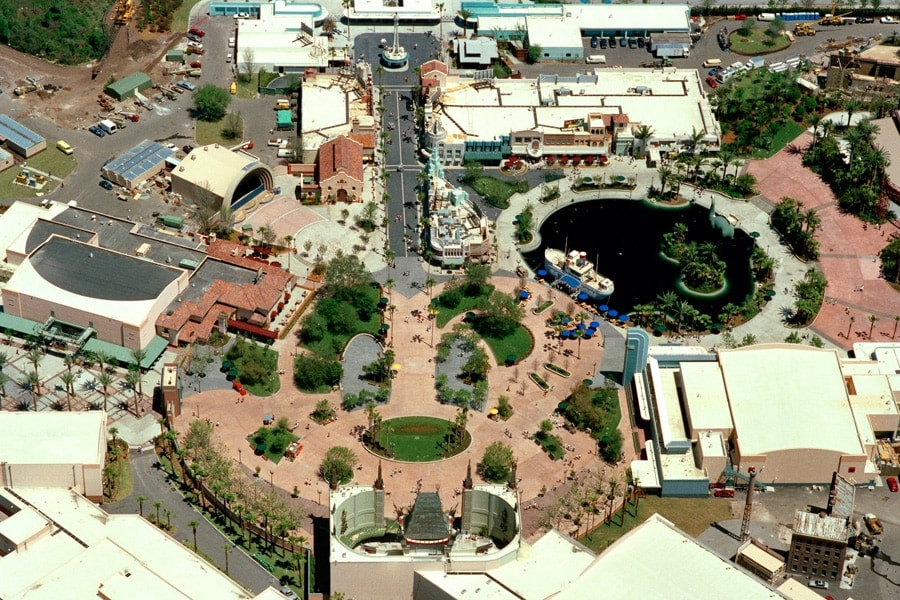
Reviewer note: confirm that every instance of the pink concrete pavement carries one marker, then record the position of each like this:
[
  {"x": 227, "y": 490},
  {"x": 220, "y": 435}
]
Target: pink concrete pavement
[
  {"x": 848, "y": 252},
  {"x": 413, "y": 393}
]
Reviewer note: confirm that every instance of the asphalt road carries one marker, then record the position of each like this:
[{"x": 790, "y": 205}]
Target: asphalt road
[{"x": 152, "y": 482}]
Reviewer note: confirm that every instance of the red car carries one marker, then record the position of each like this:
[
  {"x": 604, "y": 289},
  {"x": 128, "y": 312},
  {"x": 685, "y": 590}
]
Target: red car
[
  {"x": 197, "y": 32},
  {"x": 740, "y": 17},
  {"x": 711, "y": 82},
  {"x": 892, "y": 484},
  {"x": 196, "y": 65},
  {"x": 724, "y": 493}
]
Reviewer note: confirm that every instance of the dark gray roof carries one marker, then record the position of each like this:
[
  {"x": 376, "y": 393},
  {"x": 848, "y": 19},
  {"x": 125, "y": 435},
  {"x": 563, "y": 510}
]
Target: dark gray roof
[
  {"x": 426, "y": 522},
  {"x": 97, "y": 273},
  {"x": 42, "y": 230},
  {"x": 212, "y": 270},
  {"x": 126, "y": 237}
]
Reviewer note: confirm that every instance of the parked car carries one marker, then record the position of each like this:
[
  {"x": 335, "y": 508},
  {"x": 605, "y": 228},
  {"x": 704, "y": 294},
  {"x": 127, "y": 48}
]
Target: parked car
[
  {"x": 192, "y": 50},
  {"x": 604, "y": 43},
  {"x": 632, "y": 43},
  {"x": 623, "y": 41},
  {"x": 865, "y": 20},
  {"x": 715, "y": 71},
  {"x": 641, "y": 42},
  {"x": 197, "y": 32},
  {"x": 888, "y": 20},
  {"x": 595, "y": 41},
  {"x": 106, "y": 185},
  {"x": 818, "y": 583},
  {"x": 740, "y": 17},
  {"x": 892, "y": 484},
  {"x": 193, "y": 44},
  {"x": 187, "y": 148},
  {"x": 711, "y": 82},
  {"x": 97, "y": 131},
  {"x": 194, "y": 38},
  {"x": 241, "y": 15},
  {"x": 724, "y": 493},
  {"x": 187, "y": 85}
]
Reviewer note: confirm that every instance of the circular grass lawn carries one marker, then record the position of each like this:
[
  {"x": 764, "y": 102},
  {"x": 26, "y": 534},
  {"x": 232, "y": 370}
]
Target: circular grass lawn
[{"x": 418, "y": 439}]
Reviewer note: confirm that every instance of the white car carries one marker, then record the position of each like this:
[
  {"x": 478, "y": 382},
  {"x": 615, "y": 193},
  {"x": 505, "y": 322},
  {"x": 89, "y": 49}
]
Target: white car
[
  {"x": 231, "y": 42},
  {"x": 889, "y": 20},
  {"x": 193, "y": 44},
  {"x": 241, "y": 15},
  {"x": 818, "y": 583}
]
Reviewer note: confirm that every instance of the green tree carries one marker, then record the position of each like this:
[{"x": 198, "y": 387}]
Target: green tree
[
  {"x": 337, "y": 465},
  {"x": 343, "y": 273},
  {"x": 210, "y": 103},
  {"x": 312, "y": 372},
  {"x": 500, "y": 315},
  {"x": 193, "y": 525},
  {"x": 497, "y": 461},
  {"x": 535, "y": 53},
  {"x": 611, "y": 446},
  {"x": 890, "y": 261},
  {"x": 233, "y": 126}
]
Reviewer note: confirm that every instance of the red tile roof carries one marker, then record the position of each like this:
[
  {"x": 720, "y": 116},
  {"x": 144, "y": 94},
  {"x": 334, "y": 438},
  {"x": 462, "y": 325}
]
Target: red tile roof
[
  {"x": 341, "y": 155},
  {"x": 433, "y": 65}
]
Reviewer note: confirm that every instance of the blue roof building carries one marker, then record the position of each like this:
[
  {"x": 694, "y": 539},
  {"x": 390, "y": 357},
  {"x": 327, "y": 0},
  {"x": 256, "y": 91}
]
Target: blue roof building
[
  {"x": 137, "y": 165},
  {"x": 19, "y": 138}
]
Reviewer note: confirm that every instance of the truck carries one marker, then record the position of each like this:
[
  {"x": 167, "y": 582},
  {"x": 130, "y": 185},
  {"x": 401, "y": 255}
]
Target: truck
[
  {"x": 873, "y": 523},
  {"x": 108, "y": 126},
  {"x": 282, "y": 104},
  {"x": 277, "y": 142},
  {"x": 671, "y": 45}
]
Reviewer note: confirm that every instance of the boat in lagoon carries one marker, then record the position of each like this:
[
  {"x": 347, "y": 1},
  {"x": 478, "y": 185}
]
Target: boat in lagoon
[{"x": 575, "y": 273}]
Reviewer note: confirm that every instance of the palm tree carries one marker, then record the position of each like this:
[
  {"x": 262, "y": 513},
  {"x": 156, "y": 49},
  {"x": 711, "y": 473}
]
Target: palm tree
[
  {"x": 34, "y": 356},
  {"x": 666, "y": 302},
  {"x": 726, "y": 155},
  {"x": 132, "y": 379},
  {"x": 348, "y": 4},
  {"x": 665, "y": 174},
  {"x": 810, "y": 219},
  {"x": 140, "y": 501},
  {"x": 827, "y": 128},
  {"x": 137, "y": 358},
  {"x": 104, "y": 379},
  {"x": 877, "y": 160},
  {"x": 896, "y": 322},
  {"x": 440, "y": 6},
  {"x": 158, "y": 504},
  {"x": 872, "y": 320},
  {"x": 3, "y": 380},
  {"x": 193, "y": 525},
  {"x": 33, "y": 384},
  {"x": 850, "y": 326},
  {"x": 68, "y": 378},
  {"x": 851, "y": 106},
  {"x": 814, "y": 120},
  {"x": 4, "y": 358},
  {"x": 389, "y": 284},
  {"x": 643, "y": 133}
]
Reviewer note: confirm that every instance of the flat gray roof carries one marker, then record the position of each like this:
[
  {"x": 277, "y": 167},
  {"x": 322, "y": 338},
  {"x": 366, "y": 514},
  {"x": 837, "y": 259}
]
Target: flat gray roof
[
  {"x": 43, "y": 229},
  {"x": 98, "y": 273},
  {"x": 18, "y": 134}
]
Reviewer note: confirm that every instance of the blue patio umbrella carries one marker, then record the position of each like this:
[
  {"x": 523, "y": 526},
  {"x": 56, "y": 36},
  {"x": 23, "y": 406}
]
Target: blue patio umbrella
[
  {"x": 612, "y": 314},
  {"x": 541, "y": 273},
  {"x": 565, "y": 333},
  {"x": 623, "y": 318},
  {"x": 594, "y": 325},
  {"x": 524, "y": 294},
  {"x": 588, "y": 334},
  {"x": 582, "y": 296},
  {"x": 603, "y": 308},
  {"x": 566, "y": 320},
  {"x": 581, "y": 326},
  {"x": 592, "y": 330}
]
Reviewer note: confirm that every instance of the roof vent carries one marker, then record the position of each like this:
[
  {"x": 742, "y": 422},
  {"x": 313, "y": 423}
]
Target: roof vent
[
  {"x": 193, "y": 157},
  {"x": 181, "y": 168},
  {"x": 91, "y": 254}
]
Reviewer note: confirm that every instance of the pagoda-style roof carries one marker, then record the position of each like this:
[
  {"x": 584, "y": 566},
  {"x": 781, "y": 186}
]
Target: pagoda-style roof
[{"x": 426, "y": 524}]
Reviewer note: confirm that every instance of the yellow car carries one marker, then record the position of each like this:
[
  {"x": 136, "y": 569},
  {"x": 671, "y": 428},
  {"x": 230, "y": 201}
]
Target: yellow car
[{"x": 234, "y": 87}]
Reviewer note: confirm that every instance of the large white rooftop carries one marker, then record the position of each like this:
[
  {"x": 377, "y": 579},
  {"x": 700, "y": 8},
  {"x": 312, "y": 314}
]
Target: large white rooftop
[
  {"x": 675, "y": 107},
  {"x": 705, "y": 396},
  {"x": 205, "y": 165},
  {"x": 112, "y": 556},
  {"x": 656, "y": 560},
  {"x": 785, "y": 396},
  {"x": 50, "y": 438},
  {"x": 530, "y": 575}
]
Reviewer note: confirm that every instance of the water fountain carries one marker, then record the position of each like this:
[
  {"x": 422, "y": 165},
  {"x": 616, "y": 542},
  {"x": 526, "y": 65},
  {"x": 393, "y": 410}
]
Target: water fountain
[{"x": 396, "y": 56}]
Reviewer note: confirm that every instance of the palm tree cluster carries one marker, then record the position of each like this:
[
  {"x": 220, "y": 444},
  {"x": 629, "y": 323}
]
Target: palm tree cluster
[
  {"x": 206, "y": 463},
  {"x": 755, "y": 114},
  {"x": 701, "y": 268},
  {"x": 797, "y": 227},
  {"x": 855, "y": 174}
]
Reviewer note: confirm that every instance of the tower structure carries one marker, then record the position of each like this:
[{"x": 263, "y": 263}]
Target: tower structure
[
  {"x": 468, "y": 486},
  {"x": 396, "y": 56},
  {"x": 748, "y": 505}
]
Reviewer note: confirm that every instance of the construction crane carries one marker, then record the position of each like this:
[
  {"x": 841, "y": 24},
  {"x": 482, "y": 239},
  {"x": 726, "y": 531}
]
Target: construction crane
[
  {"x": 748, "y": 505},
  {"x": 833, "y": 18}
]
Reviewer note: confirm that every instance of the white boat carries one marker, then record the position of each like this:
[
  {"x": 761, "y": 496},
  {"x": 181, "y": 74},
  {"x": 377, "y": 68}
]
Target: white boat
[{"x": 575, "y": 273}]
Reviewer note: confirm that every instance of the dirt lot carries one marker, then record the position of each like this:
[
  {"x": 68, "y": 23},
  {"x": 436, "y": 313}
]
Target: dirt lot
[{"x": 130, "y": 51}]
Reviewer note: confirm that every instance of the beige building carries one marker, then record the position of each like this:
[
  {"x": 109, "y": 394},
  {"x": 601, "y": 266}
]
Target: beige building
[
  {"x": 217, "y": 174},
  {"x": 797, "y": 414},
  {"x": 54, "y": 543},
  {"x": 53, "y": 449}
]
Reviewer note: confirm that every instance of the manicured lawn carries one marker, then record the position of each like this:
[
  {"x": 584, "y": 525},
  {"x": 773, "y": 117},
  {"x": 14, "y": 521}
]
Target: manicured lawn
[
  {"x": 519, "y": 344},
  {"x": 276, "y": 441},
  {"x": 445, "y": 315},
  {"x": 416, "y": 439},
  {"x": 756, "y": 42},
  {"x": 332, "y": 343},
  {"x": 257, "y": 367},
  {"x": 786, "y": 134},
  {"x": 496, "y": 191},
  {"x": 691, "y": 515},
  {"x": 50, "y": 161},
  {"x": 211, "y": 133}
]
